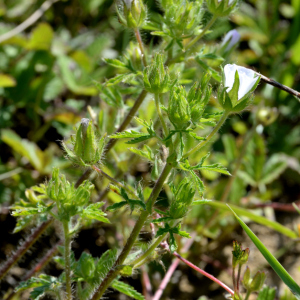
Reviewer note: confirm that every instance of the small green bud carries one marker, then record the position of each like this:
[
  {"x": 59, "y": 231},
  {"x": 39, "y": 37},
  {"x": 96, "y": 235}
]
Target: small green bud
[
  {"x": 156, "y": 77},
  {"x": 88, "y": 149},
  {"x": 178, "y": 109},
  {"x": 221, "y": 8},
  {"x": 198, "y": 97},
  {"x": 126, "y": 270},
  {"x": 132, "y": 13},
  {"x": 183, "y": 198},
  {"x": 134, "y": 56},
  {"x": 247, "y": 278},
  {"x": 257, "y": 281}
]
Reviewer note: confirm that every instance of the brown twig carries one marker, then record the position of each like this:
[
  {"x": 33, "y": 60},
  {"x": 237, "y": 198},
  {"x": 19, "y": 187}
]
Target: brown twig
[
  {"x": 279, "y": 85},
  {"x": 24, "y": 247},
  {"x": 39, "y": 266}
]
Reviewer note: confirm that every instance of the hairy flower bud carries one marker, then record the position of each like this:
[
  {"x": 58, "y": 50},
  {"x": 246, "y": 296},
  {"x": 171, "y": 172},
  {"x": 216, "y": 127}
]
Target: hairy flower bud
[
  {"x": 156, "y": 77},
  {"x": 87, "y": 149},
  {"x": 179, "y": 110},
  {"x": 221, "y": 8},
  {"x": 132, "y": 13}
]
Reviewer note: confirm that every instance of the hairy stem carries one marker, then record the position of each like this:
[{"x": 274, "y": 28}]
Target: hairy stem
[
  {"x": 208, "y": 138},
  {"x": 67, "y": 255},
  {"x": 233, "y": 278},
  {"x": 134, "y": 234},
  {"x": 161, "y": 118},
  {"x": 24, "y": 247},
  {"x": 139, "y": 39},
  {"x": 141, "y": 260}
]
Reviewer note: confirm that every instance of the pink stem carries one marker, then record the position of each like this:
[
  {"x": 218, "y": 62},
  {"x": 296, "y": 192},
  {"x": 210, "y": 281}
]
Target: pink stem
[
  {"x": 147, "y": 288},
  {"x": 211, "y": 277}
]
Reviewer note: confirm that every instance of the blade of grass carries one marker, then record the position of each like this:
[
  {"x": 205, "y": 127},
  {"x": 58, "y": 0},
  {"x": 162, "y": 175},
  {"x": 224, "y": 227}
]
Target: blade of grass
[
  {"x": 258, "y": 219},
  {"x": 274, "y": 263}
]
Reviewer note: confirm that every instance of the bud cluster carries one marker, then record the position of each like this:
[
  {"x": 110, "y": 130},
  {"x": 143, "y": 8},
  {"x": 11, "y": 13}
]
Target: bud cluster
[
  {"x": 253, "y": 284},
  {"x": 182, "y": 18}
]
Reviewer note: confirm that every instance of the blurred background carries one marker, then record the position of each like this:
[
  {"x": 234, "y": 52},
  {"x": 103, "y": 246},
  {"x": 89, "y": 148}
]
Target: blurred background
[{"x": 47, "y": 84}]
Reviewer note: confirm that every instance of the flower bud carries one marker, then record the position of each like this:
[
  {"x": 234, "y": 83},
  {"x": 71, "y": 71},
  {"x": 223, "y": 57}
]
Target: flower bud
[
  {"x": 257, "y": 281},
  {"x": 31, "y": 196},
  {"x": 239, "y": 256},
  {"x": 198, "y": 97},
  {"x": 87, "y": 148},
  {"x": 132, "y": 13},
  {"x": 239, "y": 83},
  {"x": 247, "y": 278},
  {"x": 134, "y": 56},
  {"x": 221, "y": 8},
  {"x": 183, "y": 198},
  {"x": 156, "y": 78},
  {"x": 179, "y": 110},
  {"x": 267, "y": 115},
  {"x": 230, "y": 40}
]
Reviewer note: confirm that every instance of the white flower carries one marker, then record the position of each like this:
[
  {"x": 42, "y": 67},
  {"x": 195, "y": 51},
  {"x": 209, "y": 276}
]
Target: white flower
[
  {"x": 229, "y": 2},
  {"x": 246, "y": 76},
  {"x": 232, "y": 38}
]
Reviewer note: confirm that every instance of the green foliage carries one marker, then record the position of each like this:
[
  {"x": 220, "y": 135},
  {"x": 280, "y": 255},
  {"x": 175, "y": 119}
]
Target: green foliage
[{"x": 127, "y": 290}]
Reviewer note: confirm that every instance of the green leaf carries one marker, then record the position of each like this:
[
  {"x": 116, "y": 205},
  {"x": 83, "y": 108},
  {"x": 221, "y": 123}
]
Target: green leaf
[
  {"x": 106, "y": 262},
  {"x": 133, "y": 203},
  {"x": 26, "y": 149},
  {"x": 215, "y": 168},
  {"x": 200, "y": 202},
  {"x": 172, "y": 242},
  {"x": 7, "y": 81},
  {"x": 93, "y": 212},
  {"x": 23, "y": 223},
  {"x": 196, "y": 137},
  {"x": 140, "y": 139},
  {"x": 69, "y": 79},
  {"x": 116, "y": 206},
  {"x": 128, "y": 134},
  {"x": 41, "y": 37},
  {"x": 197, "y": 182},
  {"x": 274, "y": 263},
  {"x": 273, "y": 168},
  {"x": 208, "y": 69},
  {"x": 119, "y": 78},
  {"x": 146, "y": 154},
  {"x": 258, "y": 219},
  {"x": 267, "y": 293},
  {"x": 127, "y": 290},
  {"x": 115, "y": 63}
]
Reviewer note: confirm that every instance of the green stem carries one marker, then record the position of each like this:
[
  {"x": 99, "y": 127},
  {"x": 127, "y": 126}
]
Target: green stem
[
  {"x": 67, "y": 255},
  {"x": 112, "y": 274},
  {"x": 233, "y": 278},
  {"x": 208, "y": 138},
  {"x": 141, "y": 260},
  {"x": 114, "y": 181},
  {"x": 139, "y": 39},
  {"x": 195, "y": 40},
  {"x": 161, "y": 118},
  {"x": 247, "y": 295},
  {"x": 238, "y": 278}
]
